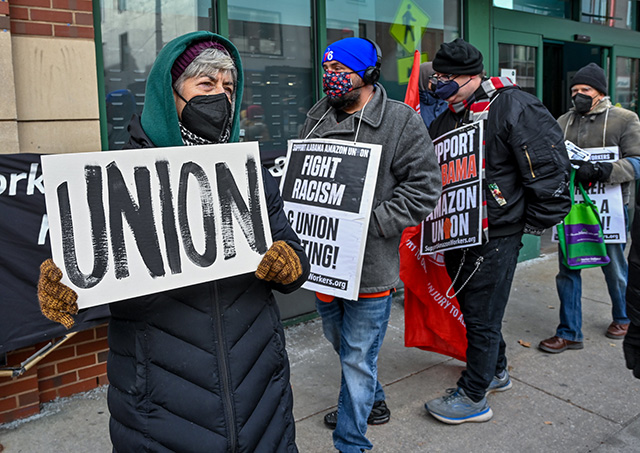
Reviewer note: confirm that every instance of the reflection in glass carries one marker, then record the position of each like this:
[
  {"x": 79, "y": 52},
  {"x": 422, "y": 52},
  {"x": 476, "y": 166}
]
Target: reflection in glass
[
  {"x": 611, "y": 13},
  {"x": 523, "y": 60},
  {"x": 132, "y": 35},
  {"x": 275, "y": 44},
  {"x": 627, "y": 74},
  {"x": 399, "y": 28},
  {"x": 554, "y": 8}
]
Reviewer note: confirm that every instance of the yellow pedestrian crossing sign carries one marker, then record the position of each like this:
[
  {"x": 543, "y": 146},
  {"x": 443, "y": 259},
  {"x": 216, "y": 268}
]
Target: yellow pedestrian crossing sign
[
  {"x": 404, "y": 67},
  {"x": 409, "y": 25}
]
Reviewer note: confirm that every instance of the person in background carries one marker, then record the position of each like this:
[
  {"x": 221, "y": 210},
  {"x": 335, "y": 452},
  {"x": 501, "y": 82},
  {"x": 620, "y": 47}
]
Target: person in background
[
  {"x": 408, "y": 186},
  {"x": 631, "y": 342},
  {"x": 594, "y": 122},
  {"x": 430, "y": 105},
  {"x": 204, "y": 367},
  {"x": 526, "y": 170},
  {"x": 254, "y": 126}
]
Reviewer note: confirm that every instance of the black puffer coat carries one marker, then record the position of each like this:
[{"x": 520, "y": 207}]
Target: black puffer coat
[
  {"x": 203, "y": 368},
  {"x": 633, "y": 281}
]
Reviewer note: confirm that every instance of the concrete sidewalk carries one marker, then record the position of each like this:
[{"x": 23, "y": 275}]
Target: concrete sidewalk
[{"x": 577, "y": 401}]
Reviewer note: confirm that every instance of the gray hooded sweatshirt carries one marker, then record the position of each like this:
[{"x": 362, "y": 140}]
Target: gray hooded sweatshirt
[{"x": 409, "y": 181}]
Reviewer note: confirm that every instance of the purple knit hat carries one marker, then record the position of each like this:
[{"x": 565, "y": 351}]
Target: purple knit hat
[{"x": 190, "y": 54}]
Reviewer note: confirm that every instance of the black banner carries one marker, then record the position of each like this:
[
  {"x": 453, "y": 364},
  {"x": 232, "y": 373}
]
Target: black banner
[{"x": 24, "y": 245}]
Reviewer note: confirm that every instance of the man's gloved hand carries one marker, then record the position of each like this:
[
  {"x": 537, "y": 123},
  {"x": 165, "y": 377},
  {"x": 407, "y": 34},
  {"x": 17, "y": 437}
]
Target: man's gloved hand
[
  {"x": 590, "y": 173},
  {"x": 530, "y": 229},
  {"x": 280, "y": 264},
  {"x": 57, "y": 301},
  {"x": 631, "y": 348}
]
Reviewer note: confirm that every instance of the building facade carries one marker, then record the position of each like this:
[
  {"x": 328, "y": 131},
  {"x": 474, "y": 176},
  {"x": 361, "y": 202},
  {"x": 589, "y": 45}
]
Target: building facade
[{"x": 72, "y": 72}]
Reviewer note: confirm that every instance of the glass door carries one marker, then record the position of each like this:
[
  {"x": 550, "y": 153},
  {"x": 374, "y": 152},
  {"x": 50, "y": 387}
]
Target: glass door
[
  {"x": 519, "y": 54},
  {"x": 626, "y": 77},
  {"x": 132, "y": 35}
]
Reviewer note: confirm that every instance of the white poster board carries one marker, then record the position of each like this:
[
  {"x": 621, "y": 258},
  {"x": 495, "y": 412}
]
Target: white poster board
[
  {"x": 328, "y": 188},
  {"x": 510, "y": 73},
  {"x": 135, "y": 222},
  {"x": 606, "y": 197},
  {"x": 456, "y": 221}
]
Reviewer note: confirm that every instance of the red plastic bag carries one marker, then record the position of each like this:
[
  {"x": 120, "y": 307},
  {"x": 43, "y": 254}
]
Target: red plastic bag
[{"x": 433, "y": 322}]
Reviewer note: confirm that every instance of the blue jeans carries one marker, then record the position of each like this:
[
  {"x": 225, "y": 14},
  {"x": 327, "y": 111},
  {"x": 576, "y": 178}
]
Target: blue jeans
[
  {"x": 356, "y": 329},
  {"x": 569, "y": 284}
]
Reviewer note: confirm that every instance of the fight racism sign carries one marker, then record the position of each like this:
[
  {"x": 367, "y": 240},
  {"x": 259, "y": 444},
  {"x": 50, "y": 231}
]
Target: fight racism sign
[{"x": 328, "y": 189}]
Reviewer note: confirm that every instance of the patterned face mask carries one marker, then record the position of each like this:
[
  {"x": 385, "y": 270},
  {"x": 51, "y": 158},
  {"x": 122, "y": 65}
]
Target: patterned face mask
[{"x": 336, "y": 84}]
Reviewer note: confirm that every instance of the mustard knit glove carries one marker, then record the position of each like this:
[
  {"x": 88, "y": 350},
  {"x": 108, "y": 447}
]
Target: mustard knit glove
[
  {"x": 280, "y": 264},
  {"x": 57, "y": 301}
]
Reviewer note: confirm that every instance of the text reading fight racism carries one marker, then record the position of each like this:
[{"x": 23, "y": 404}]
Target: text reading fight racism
[{"x": 319, "y": 191}]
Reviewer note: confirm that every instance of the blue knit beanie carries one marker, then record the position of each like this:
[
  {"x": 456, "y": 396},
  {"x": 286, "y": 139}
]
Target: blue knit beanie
[{"x": 355, "y": 53}]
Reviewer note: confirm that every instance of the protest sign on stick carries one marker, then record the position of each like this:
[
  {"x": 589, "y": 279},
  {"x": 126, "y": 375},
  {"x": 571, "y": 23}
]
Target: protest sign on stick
[
  {"x": 328, "y": 188},
  {"x": 456, "y": 221},
  {"x": 129, "y": 223}
]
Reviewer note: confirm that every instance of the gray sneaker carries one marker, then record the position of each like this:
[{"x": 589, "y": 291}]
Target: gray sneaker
[
  {"x": 456, "y": 407},
  {"x": 500, "y": 383}
]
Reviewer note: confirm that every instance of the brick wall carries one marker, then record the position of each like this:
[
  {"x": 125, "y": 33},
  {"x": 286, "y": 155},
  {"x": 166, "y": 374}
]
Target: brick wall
[
  {"x": 57, "y": 18},
  {"x": 78, "y": 365},
  {"x": 4, "y": 15}
]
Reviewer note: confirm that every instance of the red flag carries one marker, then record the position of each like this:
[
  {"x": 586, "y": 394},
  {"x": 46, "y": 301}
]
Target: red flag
[
  {"x": 412, "y": 98},
  {"x": 433, "y": 321}
]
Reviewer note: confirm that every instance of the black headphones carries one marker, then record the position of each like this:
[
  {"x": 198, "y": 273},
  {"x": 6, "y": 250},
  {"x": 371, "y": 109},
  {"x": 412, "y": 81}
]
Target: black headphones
[{"x": 372, "y": 73}]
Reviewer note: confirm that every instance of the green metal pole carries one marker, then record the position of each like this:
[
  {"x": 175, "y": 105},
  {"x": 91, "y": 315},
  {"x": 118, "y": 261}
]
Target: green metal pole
[
  {"x": 319, "y": 31},
  {"x": 478, "y": 26},
  {"x": 222, "y": 15},
  {"x": 102, "y": 104}
]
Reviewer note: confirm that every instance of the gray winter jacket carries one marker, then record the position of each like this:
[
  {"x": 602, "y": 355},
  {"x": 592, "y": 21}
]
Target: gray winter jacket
[
  {"x": 623, "y": 130},
  {"x": 409, "y": 182}
]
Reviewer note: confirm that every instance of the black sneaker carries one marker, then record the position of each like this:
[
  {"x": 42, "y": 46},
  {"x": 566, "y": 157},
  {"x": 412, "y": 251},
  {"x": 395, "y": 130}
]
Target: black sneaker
[{"x": 380, "y": 414}]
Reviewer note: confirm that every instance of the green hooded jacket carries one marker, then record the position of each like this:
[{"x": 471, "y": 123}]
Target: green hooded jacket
[{"x": 159, "y": 116}]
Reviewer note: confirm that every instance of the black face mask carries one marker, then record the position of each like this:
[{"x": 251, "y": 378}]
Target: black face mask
[
  {"x": 208, "y": 117},
  {"x": 582, "y": 103}
]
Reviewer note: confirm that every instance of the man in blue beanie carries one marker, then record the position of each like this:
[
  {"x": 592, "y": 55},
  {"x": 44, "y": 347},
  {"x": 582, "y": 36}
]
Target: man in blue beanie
[{"x": 408, "y": 186}]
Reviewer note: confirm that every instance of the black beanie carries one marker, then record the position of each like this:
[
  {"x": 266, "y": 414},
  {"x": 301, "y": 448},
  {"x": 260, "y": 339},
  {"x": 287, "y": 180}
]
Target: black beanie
[
  {"x": 458, "y": 57},
  {"x": 592, "y": 75}
]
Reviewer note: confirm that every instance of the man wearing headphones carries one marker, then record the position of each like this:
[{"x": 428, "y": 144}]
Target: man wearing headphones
[{"x": 408, "y": 186}]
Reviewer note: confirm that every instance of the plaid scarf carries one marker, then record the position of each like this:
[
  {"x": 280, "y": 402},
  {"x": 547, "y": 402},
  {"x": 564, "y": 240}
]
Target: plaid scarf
[{"x": 191, "y": 139}]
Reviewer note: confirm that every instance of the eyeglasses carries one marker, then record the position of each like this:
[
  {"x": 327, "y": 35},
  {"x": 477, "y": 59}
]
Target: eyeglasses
[{"x": 442, "y": 77}]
